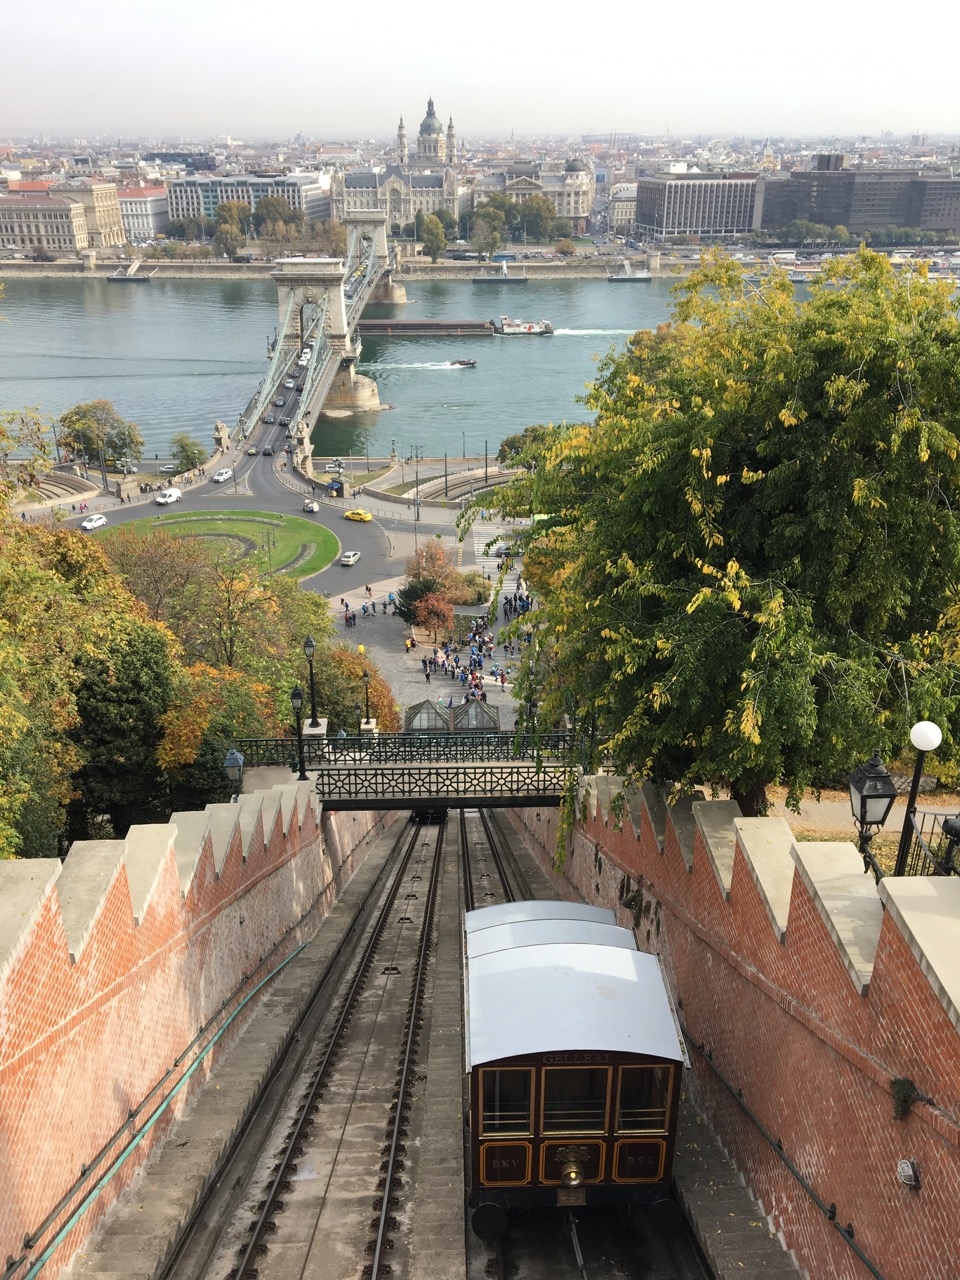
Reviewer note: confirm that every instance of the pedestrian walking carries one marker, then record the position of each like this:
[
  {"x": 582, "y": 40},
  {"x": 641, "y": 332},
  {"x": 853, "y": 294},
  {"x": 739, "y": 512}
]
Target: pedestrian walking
[{"x": 426, "y": 672}]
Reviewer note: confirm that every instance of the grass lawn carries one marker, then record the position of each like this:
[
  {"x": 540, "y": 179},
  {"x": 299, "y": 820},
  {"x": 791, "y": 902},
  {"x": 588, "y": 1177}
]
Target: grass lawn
[{"x": 278, "y": 543}]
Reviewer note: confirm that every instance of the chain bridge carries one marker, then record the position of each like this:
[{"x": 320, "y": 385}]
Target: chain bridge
[
  {"x": 425, "y": 771},
  {"x": 320, "y": 302}
]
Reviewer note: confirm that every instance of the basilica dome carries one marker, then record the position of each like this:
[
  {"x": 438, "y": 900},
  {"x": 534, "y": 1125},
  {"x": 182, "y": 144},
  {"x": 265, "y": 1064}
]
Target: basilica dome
[{"x": 430, "y": 124}]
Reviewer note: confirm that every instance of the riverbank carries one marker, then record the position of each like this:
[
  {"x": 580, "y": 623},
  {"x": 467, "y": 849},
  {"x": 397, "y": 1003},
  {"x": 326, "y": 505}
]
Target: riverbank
[{"x": 596, "y": 267}]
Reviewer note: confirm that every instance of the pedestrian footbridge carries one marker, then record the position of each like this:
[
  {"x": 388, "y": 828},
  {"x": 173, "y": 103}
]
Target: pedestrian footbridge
[{"x": 425, "y": 771}]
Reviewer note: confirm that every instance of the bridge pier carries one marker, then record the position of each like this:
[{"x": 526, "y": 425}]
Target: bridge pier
[
  {"x": 351, "y": 390},
  {"x": 388, "y": 290}
]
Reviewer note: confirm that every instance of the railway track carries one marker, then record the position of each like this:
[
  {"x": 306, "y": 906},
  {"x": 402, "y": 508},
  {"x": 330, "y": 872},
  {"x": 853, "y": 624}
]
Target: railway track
[
  {"x": 324, "y": 1182},
  {"x": 332, "y": 1178}
]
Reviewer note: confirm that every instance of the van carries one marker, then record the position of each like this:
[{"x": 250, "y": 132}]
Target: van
[{"x": 168, "y": 495}]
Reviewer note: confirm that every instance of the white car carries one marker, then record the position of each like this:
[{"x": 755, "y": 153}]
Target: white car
[
  {"x": 93, "y": 522},
  {"x": 350, "y": 557},
  {"x": 223, "y": 474},
  {"x": 168, "y": 495},
  {"x": 290, "y": 383},
  {"x": 310, "y": 505}
]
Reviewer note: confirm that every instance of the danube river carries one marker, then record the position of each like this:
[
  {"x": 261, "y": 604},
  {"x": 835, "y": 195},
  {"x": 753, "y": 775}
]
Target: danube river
[{"x": 176, "y": 355}]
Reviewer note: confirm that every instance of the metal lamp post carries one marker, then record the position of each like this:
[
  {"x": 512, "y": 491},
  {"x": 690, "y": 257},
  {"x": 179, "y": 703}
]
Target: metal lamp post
[
  {"x": 233, "y": 768},
  {"x": 296, "y": 701},
  {"x": 872, "y": 793},
  {"x": 356, "y": 711},
  {"x": 309, "y": 649},
  {"x": 366, "y": 693},
  {"x": 925, "y": 736}
]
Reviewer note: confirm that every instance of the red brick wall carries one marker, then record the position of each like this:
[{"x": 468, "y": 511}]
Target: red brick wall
[
  {"x": 814, "y": 1059},
  {"x": 83, "y": 1043}
]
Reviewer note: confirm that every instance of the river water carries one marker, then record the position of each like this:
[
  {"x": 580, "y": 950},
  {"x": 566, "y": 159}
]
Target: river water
[{"x": 176, "y": 355}]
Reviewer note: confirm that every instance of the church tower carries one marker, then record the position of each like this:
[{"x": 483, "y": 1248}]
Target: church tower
[
  {"x": 431, "y": 149},
  {"x": 451, "y": 143},
  {"x": 402, "y": 144}
]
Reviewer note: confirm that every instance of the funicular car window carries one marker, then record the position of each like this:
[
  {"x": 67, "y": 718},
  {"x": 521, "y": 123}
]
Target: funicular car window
[
  {"x": 644, "y": 1102},
  {"x": 575, "y": 1099},
  {"x": 507, "y": 1097}
]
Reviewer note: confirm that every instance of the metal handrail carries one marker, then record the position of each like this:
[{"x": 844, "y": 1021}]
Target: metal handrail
[{"x": 931, "y": 851}]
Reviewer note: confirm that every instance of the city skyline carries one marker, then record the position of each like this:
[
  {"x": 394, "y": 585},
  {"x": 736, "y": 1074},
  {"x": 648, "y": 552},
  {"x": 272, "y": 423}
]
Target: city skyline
[{"x": 219, "y": 70}]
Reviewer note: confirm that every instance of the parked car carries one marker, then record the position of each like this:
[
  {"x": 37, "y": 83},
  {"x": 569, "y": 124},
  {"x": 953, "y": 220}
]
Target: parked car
[
  {"x": 93, "y": 522},
  {"x": 350, "y": 557},
  {"x": 169, "y": 469},
  {"x": 310, "y": 505},
  {"x": 357, "y": 514},
  {"x": 168, "y": 495},
  {"x": 223, "y": 474}
]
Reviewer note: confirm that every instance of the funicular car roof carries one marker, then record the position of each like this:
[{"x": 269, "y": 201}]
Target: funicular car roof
[
  {"x": 566, "y": 995},
  {"x": 547, "y": 909}
]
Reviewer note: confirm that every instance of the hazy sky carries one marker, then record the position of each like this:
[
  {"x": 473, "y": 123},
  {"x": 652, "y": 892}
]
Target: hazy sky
[{"x": 277, "y": 68}]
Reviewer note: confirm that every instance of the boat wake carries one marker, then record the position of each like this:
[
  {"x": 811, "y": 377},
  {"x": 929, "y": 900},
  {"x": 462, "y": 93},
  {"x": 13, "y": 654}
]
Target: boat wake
[
  {"x": 423, "y": 364},
  {"x": 593, "y": 333}
]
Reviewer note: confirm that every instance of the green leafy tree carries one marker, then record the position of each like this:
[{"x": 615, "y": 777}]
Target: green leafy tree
[
  {"x": 488, "y": 231},
  {"x": 447, "y": 220},
  {"x": 191, "y": 229},
  {"x": 234, "y": 213},
  {"x": 127, "y": 687},
  {"x": 274, "y": 211},
  {"x": 89, "y": 428},
  {"x": 537, "y": 218},
  {"x": 527, "y": 447},
  {"x": 229, "y": 239},
  {"x": 434, "y": 240},
  {"x": 748, "y": 566},
  {"x": 187, "y": 452}
]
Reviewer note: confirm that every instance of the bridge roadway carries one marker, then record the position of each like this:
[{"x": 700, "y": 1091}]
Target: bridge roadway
[{"x": 321, "y": 301}]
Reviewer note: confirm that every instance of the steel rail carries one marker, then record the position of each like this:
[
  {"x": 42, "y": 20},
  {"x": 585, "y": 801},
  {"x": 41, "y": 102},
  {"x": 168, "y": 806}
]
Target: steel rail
[
  {"x": 413, "y": 1016},
  {"x": 260, "y": 1226}
]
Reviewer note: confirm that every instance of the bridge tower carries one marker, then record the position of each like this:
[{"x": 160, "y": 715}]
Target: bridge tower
[{"x": 361, "y": 224}]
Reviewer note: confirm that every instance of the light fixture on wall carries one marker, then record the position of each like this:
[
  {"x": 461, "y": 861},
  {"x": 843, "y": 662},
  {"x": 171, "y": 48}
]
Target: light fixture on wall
[{"x": 909, "y": 1174}]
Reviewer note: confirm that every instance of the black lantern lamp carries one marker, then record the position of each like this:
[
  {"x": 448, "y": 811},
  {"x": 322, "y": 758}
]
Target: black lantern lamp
[
  {"x": 233, "y": 768},
  {"x": 366, "y": 693},
  {"x": 309, "y": 649},
  {"x": 872, "y": 794},
  {"x": 296, "y": 702}
]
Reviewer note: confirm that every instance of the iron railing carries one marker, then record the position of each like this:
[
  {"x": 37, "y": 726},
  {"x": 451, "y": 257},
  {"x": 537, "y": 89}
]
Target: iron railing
[
  {"x": 931, "y": 851},
  {"x": 408, "y": 748},
  {"x": 506, "y": 783}
]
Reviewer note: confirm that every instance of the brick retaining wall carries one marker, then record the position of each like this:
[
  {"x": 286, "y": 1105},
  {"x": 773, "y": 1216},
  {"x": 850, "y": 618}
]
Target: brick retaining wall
[
  {"x": 808, "y": 989},
  {"x": 112, "y": 961}
]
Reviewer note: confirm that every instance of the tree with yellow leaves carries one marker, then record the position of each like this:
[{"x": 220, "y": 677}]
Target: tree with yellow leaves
[{"x": 744, "y": 562}]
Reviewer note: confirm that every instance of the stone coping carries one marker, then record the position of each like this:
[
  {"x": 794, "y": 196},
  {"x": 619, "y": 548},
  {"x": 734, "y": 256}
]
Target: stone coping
[{"x": 846, "y": 900}]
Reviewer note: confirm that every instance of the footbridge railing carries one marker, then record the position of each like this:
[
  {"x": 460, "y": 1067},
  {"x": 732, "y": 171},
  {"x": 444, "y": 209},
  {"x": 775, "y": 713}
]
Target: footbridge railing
[{"x": 410, "y": 748}]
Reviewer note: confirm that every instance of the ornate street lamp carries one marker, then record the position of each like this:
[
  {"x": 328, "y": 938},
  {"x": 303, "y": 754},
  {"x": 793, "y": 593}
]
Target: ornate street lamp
[
  {"x": 296, "y": 701},
  {"x": 925, "y": 736},
  {"x": 366, "y": 692},
  {"x": 872, "y": 793},
  {"x": 233, "y": 768},
  {"x": 309, "y": 649}
]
